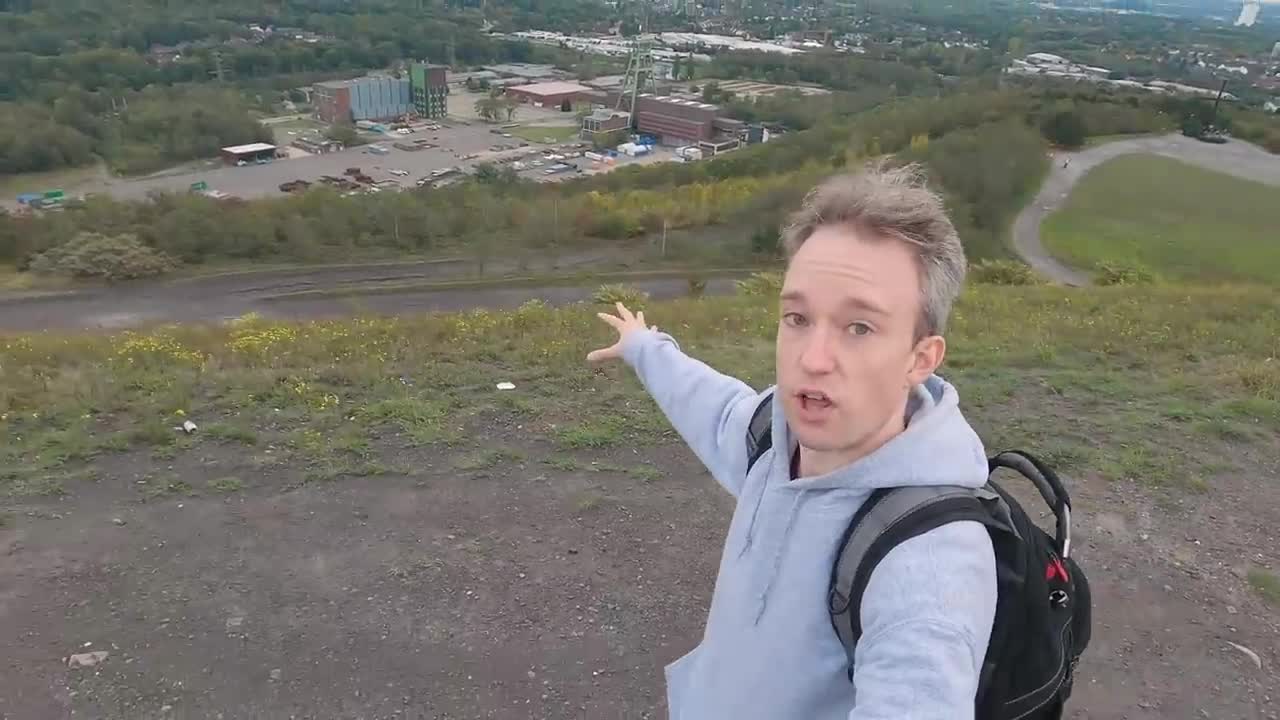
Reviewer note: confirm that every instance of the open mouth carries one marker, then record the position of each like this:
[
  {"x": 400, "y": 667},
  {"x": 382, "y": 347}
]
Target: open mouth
[{"x": 813, "y": 400}]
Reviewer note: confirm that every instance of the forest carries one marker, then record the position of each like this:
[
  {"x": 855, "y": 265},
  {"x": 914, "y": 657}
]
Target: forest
[{"x": 78, "y": 80}]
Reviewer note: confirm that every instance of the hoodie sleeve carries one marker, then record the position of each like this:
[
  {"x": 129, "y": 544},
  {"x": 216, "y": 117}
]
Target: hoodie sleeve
[
  {"x": 711, "y": 411},
  {"x": 926, "y": 618}
]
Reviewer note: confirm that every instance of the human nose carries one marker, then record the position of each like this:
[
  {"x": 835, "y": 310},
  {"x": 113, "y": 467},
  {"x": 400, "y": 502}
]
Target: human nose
[{"x": 817, "y": 357}]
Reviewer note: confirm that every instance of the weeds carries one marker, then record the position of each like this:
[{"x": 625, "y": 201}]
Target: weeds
[
  {"x": 1266, "y": 584},
  {"x": 1147, "y": 382},
  {"x": 227, "y": 485},
  {"x": 228, "y": 432},
  {"x": 1003, "y": 272},
  {"x": 598, "y": 433},
  {"x": 628, "y": 295},
  {"x": 485, "y": 459}
]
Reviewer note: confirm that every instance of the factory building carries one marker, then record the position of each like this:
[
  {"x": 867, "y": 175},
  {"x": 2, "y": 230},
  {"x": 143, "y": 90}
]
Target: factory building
[
  {"x": 675, "y": 121},
  {"x": 384, "y": 97},
  {"x": 430, "y": 90},
  {"x": 248, "y": 154},
  {"x": 602, "y": 122},
  {"x": 554, "y": 94},
  {"x": 376, "y": 97}
]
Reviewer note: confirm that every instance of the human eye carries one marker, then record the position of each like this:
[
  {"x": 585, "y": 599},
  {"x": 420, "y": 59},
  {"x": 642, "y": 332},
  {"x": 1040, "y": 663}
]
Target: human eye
[
  {"x": 860, "y": 328},
  {"x": 795, "y": 319}
]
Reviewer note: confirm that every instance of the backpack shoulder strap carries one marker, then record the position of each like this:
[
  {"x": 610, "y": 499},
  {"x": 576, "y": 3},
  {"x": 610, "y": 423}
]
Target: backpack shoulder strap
[
  {"x": 888, "y": 517},
  {"x": 760, "y": 431}
]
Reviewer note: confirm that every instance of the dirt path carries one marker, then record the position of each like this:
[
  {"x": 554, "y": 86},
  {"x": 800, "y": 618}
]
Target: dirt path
[
  {"x": 1236, "y": 158},
  {"x": 274, "y": 294},
  {"x": 547, "y": 585}
]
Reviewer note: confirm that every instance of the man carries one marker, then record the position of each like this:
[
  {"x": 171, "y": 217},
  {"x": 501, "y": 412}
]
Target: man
[{"x": 874, "y": 266}]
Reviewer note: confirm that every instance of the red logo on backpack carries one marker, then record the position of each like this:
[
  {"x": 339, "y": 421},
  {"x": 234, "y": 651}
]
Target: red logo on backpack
[{"x": 1056, "y": 571}]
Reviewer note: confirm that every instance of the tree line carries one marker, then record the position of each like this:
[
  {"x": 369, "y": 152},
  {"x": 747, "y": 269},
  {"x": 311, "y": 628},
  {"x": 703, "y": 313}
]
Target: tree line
[{"x": 148, "y": 130}]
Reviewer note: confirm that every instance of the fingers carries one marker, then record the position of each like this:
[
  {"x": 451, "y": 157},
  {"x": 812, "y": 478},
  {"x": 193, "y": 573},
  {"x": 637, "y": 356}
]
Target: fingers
[
  {"x": 624, "y": 312},
  {"x": 640, "y": 318},
  {"x": 613, "y": 320},
  {"x": 603, "y": 354}
]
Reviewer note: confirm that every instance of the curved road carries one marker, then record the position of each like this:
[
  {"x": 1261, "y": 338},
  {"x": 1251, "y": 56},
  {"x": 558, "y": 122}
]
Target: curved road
[{"x": 1237, "y": 158}]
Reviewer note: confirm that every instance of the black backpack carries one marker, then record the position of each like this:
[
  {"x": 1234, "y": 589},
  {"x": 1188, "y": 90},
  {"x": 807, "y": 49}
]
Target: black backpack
[{"x": 1043, "y": 612}]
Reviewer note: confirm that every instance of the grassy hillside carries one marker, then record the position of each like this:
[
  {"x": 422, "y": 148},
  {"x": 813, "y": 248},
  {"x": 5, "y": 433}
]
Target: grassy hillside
[
  {"x": 1178, "y": 220},
  {"x": 1159, "y": 384}
]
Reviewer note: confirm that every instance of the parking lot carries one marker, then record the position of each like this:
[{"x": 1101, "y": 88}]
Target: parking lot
[
  {"x": 459, "y": 144},
  {"x": 452, "y": 144}
]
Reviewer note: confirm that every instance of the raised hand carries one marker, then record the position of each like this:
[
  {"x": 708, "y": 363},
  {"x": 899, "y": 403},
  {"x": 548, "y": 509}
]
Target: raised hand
[{"x": 625, "y": 323}]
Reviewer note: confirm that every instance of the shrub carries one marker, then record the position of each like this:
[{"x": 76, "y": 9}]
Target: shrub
[
  {"x": 1003, "y": 272},
  {"x": 91, "y": 255},
  {"x": 1118, "y": 274},
  {"x": 761, "y": 284},
  {"x": 628, "y": 295},
  {"x": 766, "y": 241}
]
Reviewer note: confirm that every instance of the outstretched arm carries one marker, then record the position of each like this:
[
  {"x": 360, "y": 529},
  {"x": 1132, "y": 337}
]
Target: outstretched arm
[{"x": 711, "y": 411}]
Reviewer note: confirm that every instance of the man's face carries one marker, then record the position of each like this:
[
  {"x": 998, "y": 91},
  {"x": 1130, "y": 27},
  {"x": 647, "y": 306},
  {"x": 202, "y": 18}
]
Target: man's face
[{"x": 847, "y": 354}]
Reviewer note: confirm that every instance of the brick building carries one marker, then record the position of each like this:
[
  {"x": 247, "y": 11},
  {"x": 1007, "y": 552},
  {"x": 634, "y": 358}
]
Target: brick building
[
  {"x": 376, "y": 97},
  {"x": 675, "y": 121}
]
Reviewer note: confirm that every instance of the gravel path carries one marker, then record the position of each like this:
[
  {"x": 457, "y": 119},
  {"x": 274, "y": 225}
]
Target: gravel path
[{"x": 1234, "y": 158}]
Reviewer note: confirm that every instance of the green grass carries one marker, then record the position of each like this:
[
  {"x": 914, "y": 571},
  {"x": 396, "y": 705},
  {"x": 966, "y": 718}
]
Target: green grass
[
  {"x": 485, "y": 459},
  {"x": 227, "y": 485},
  {"x": 230, "y": 432},
  {"x": 1267, "y": 584},
  {"x": 540, "y": 133},
  {"x": 1160, "y": 384},
  {"x": 70, "y": 180},
  {"x": 1180, "y": 221}
]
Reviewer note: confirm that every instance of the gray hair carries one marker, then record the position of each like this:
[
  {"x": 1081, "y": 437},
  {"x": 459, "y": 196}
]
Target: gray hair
[{"x": 891, "y": 203}]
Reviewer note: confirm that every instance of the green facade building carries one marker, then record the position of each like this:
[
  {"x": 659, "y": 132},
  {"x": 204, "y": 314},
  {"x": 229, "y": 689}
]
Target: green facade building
[{"x": 430, "y": 90}]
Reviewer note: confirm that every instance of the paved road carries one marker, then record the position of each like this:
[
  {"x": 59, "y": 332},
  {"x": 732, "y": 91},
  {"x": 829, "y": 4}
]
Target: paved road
[{"x": 1234, "y": 158}]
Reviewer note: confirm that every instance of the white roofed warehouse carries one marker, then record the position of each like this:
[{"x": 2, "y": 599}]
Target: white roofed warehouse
[{"x": 251, "y": 153}]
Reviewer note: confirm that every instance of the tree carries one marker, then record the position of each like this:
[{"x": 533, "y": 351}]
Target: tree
[
  {"x": 509, "y": 106},
  {"x": 489, "y": 108},
  {"x": 344, "y": 133},
  {"x": 1065, "y": 128},
  {"x": 1192, "y": 126}
]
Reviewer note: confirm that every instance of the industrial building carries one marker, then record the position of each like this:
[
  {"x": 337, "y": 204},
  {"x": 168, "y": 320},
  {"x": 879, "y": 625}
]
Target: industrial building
[
  {"x": 675, "y": 121},
  {"x": 247, "y": 154},
  {"x": 384, "y": 97},
  {"x": 376, "y": 97},
  {"x": 602, "y": 122},
  {"x": 528, "y": 72},
  {"x": 553, "y": 94},
  {"x": 430, "y": 90}
]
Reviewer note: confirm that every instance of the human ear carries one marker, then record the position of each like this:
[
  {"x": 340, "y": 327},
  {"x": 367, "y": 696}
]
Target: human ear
[{"x": 926, "y": 356}]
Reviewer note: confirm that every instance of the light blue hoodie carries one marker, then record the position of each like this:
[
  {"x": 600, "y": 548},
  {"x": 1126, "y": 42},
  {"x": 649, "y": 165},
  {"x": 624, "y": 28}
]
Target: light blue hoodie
[{"x": 768, "y": 650}]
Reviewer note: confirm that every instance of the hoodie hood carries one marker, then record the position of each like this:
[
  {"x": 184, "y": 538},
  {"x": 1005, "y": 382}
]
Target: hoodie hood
[{"x": 938, "y": 447}]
